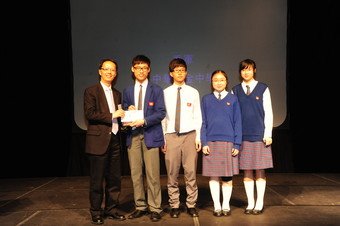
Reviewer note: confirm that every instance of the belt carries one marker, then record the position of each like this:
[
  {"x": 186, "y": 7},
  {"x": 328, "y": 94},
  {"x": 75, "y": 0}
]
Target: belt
[
  {"x": 185, "y": 133},
  {"x": 138, "y": 130}
]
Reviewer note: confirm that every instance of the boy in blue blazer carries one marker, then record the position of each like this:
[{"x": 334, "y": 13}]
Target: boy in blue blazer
[{"x": 144, "y": 138}]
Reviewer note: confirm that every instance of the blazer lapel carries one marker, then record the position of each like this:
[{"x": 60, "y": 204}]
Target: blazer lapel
[
  {"x": 147, "y": 97},
  {"x": 102, "y": 98},
  {"x": 115, "y": 99}
]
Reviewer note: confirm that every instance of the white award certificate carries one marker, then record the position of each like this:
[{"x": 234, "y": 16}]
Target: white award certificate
[{"x": 133, "y": 115}]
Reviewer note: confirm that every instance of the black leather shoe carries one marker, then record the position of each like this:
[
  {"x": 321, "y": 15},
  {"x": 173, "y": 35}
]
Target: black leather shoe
[
  {"x": 226, "y": 212},
  {"x": 115, "y": 216},
  {"x": 257, "y": 212},
  {"x": 192, "y": 212},
  {"x": 248, "y": 211},
  {"x": 97, "y": 219},
  {"x": 217, "y": 213},
  {"x": 174, "y": 212},
  {"x": 155, "y": 216},
  {"x": 137, "y": 214}
]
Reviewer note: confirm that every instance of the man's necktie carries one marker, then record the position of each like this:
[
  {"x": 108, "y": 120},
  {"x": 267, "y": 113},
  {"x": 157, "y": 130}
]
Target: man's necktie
[
  {"x": 219, "y": 96},
  {"x": 248, "y": 89},
  {"x": 178, "y": 111},
  {"x": 140, "y": 98}
]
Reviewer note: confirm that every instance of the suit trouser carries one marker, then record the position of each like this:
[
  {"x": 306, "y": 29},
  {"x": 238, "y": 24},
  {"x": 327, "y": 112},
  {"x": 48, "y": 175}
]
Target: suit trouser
[
  {"x": 140, "y": 155},
  {"x": 181, "y": 150},
  {"x": 105, "y": 167}
]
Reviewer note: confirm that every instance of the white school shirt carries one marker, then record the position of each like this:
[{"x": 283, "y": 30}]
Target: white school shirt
[
  {"x": 137, "y": 87},
  {"x": 191, "y": 115}
]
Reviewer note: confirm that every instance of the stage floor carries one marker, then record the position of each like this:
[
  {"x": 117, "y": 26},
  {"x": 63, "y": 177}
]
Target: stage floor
[{"x": 290, "y": 199}]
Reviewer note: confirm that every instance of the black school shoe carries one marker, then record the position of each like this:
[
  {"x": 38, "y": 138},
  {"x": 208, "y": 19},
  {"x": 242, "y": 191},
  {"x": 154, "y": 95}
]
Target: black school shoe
[
  {"x": 192, "y": 212},
  {"x": 97, "y": 219}
]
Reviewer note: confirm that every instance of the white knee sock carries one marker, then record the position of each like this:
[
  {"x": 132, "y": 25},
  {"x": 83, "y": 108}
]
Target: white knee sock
[
  {"x": 215, "y": 193},
  {"x": 260, "y": 189},
  {"x": 226, "y": 192},
  {"x": 249, "y": 187}
]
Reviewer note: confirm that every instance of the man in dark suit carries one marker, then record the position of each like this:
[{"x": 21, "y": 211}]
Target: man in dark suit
[
  {"x": 144, "y": 138},
  {"x": 103, "y": 143}
]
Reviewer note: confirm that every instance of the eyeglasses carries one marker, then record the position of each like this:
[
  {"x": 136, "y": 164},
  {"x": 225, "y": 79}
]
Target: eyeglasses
[
  {"x": 179, "y": 70},
  {"x": 141, "y": 68},
  {"x": 108, "y": 69},
  {"x": 216, "y": 81}
]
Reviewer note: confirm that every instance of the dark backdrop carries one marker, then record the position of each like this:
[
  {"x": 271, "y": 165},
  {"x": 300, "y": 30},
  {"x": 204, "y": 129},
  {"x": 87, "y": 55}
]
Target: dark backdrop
[{"x": 41, "y": 138}]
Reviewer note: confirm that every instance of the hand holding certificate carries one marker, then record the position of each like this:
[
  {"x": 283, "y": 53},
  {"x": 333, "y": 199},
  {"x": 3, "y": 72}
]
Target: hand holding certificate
[{"x": 133, "y": 115}]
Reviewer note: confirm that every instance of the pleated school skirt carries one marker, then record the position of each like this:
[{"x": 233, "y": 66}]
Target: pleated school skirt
[
  {"x": 255, "y": 155},
  {"x": 220, "y": 162}
]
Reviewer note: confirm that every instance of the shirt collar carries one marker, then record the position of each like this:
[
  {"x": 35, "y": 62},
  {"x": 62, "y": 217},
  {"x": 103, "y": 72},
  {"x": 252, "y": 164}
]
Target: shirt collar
[
  {"x": 105, "y": 87},
  {"x": 223, "y": 93}
]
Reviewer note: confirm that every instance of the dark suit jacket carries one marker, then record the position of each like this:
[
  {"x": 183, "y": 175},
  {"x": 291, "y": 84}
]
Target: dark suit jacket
[
  {"x": 154, "y": 113},
  {"x": 99, "y": 118}
]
